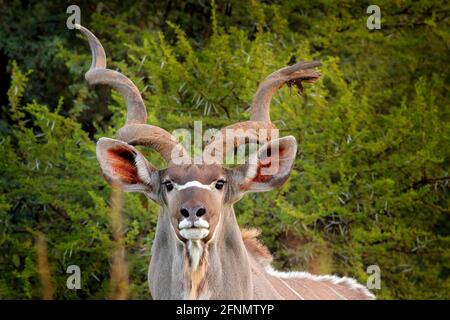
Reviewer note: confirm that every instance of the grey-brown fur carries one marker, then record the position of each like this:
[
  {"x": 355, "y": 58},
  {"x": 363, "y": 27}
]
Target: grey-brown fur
[
  {"x": 225, "y": 252},
  {"x": 233, "y": 271}
]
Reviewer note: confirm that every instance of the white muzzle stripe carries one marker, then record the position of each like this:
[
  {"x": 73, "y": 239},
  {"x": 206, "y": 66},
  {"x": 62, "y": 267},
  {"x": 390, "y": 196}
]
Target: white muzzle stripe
[
  {"x": 201, "y": 223},
  {"x": 186, "y": 224},
  {"x": 194, "y": 231}
]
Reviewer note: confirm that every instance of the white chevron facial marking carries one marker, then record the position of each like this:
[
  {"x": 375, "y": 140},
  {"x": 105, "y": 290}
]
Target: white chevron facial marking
[{"x": 191, "y": 184}]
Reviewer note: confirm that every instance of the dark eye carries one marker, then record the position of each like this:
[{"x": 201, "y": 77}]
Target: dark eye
[
  {"x": 220, "y": 184},
  {"x": 168, "y": 185}
]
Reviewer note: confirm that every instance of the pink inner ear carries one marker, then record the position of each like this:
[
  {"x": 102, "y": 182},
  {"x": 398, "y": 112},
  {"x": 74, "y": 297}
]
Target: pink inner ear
[
  {"x": 266, "y": 163},
  {"x": 259, "y": 177},
  {"x": 122, "y": 164}
]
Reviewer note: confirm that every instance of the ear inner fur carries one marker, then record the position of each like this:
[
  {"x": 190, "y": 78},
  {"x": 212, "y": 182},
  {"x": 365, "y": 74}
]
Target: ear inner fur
[{"x": 122, "y": 163}]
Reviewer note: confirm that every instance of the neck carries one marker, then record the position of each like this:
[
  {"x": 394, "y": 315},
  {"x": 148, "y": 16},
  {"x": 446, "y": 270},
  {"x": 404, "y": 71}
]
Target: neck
[{"x": 223, "y": 271}]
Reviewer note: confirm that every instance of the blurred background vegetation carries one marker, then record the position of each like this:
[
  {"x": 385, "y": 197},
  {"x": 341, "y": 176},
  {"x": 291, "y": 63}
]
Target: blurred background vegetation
[{"x": 370, "y": 183}]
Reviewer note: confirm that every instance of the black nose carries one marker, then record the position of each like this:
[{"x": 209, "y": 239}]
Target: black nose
[{"x": 192, "y": 212}]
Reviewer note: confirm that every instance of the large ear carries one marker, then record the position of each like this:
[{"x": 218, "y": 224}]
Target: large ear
[
  {"x": 270, "y": 167},
  {"x": 124, "y": 166}
]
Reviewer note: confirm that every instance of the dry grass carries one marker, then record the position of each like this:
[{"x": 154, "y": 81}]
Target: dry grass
[
  {"x": 119, "y": 267},
  {"x": 43, "y": 268}
]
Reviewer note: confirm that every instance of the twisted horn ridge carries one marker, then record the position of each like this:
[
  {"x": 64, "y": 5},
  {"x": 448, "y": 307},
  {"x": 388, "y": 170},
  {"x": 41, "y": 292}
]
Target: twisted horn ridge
[
  {"x": 260, "y": 129},
  {"x": 135, "y": 131},
  {"x": 156, "y": 138},
  {"x": 98, "y": 74},
  {"x": 295, "y": 74}
]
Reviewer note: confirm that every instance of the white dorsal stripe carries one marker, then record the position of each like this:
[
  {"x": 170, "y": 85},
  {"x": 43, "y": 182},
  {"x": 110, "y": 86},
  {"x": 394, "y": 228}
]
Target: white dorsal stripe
[{"x": 191, "y": 184}]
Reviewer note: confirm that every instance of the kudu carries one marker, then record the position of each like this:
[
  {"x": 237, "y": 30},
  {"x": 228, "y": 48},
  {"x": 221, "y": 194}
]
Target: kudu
[{"x": 199, "y": 251}]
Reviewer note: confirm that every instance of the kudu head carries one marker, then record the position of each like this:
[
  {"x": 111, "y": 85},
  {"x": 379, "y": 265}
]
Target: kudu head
[{"x": 193, "y": 193}]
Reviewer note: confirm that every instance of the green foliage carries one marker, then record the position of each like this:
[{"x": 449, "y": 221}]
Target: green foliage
[
  {"x": 370, "y": 183},
  {"x": 50, "y": 184}
]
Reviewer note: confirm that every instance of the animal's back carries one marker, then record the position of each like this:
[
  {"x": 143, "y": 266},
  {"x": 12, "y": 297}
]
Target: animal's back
[{"x": 272, "y": 284}]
